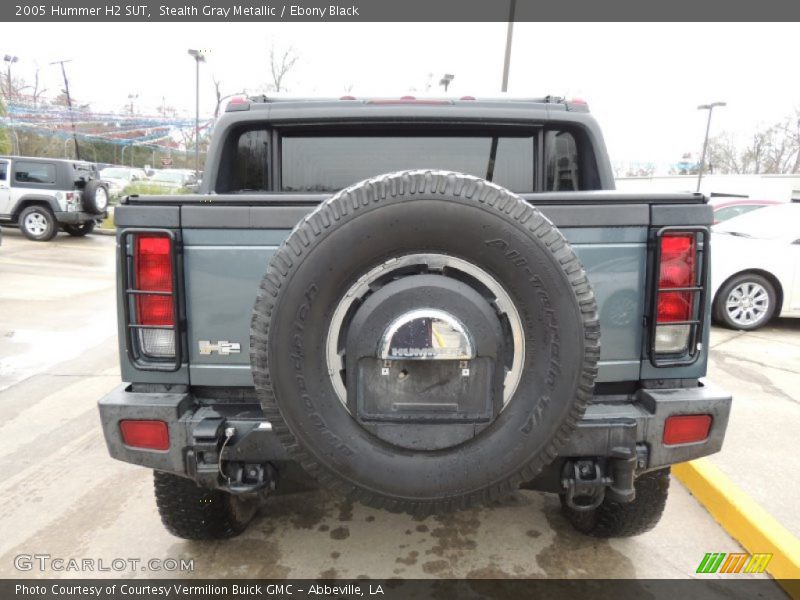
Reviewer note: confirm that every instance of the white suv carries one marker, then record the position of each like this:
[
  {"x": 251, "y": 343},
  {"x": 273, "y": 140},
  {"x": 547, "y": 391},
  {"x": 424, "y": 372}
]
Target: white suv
[{"x": 42, "y": 195}]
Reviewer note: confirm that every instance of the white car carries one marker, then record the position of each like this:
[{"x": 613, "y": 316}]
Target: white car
[
  {"x": 118, "y": 178},
  {"x": 755, "y": 267}
]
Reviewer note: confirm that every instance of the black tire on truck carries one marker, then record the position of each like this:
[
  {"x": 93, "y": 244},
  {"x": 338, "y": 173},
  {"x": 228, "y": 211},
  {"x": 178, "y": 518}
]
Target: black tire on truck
[
  {"x": 95, "y": 197},
  {"x": 38, "y": 223},
  {"x": 617, "y": 519},
  {"x": 484, "y": 236},
  {"x": 80, "y": 229},
  {"x": 194, "y": 513}
]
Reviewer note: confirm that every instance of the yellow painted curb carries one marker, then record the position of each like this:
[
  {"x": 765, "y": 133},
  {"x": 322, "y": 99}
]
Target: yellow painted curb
[{"x": 744, "y": 519}]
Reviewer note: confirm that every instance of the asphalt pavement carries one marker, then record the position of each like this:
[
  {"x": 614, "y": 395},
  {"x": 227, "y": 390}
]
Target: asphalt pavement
[{"x": 63, "y": 496}]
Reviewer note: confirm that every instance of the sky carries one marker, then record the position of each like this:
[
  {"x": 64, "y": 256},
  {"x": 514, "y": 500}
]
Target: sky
[{"x": 643, "y": 81}]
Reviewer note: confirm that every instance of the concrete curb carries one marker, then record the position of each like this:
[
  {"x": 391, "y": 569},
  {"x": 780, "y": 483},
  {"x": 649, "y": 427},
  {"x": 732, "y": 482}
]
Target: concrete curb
[
  {"x": 100, "y": 231},
  {"x": 745, "y": 520}
]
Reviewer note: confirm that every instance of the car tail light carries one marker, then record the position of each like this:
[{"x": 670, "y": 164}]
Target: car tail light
[
  {"x": 686, "y": 429},
  {"x": 155, "y": 307},
  {"x": 148, "y": 435},
  {"x": 677, "y": 285}
]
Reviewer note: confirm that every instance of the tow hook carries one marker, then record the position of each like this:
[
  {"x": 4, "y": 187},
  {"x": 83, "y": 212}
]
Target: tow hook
[
  {"x": 244, "y": 478},
  {"x": 209, "y": 459},
  {"x": 586, "y": 484}
]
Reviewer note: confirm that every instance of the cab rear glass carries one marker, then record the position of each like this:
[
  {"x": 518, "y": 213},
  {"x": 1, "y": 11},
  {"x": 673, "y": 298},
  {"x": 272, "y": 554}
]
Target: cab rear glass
[
  {"x": 524, "y": 160},
  {"x": 330, "y": 163}
]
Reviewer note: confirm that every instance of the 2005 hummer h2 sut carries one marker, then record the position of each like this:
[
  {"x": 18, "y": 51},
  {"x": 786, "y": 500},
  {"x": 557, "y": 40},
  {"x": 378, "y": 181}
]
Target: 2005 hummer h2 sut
[{"x": 424, "y": 304}]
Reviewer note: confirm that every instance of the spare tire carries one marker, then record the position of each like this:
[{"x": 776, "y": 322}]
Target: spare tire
[
  {"x": 440, "y": 243},
  {"x": 95, "y": 197}
]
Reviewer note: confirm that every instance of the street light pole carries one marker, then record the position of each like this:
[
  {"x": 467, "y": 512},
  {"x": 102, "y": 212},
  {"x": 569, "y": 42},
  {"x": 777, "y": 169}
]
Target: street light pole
[
  {"x": 509, "y": 35},
  {"x": 710, "y": 109},
  {"x": 198, "y": 58},
  {"x": 446, "y": 80}
]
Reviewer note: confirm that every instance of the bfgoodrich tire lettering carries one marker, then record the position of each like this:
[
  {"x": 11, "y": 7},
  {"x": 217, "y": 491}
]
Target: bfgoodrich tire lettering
[{"x": 419, "y": 212}]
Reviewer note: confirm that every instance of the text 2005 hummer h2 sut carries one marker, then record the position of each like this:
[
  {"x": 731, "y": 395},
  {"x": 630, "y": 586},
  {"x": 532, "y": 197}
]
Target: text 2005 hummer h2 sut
[{"x": 424, "y": 304}]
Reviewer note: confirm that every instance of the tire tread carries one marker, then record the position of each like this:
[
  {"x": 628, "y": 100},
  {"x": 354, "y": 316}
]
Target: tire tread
[{"x": 343, "y": 206}]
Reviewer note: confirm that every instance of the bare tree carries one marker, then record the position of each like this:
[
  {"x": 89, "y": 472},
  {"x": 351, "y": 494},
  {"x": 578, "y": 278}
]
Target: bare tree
[
  {"x": 280, "y": 63},
  {"x": 769, "y": 150}
]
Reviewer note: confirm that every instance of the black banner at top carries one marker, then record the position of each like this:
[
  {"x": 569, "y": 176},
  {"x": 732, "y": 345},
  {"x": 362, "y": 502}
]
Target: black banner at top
[{"x": 443, "y": 11}]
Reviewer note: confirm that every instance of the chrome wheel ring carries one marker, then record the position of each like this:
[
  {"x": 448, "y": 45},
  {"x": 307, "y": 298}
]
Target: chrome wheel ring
[
  {"x": 747, "y": 304},
  {"x": 433, "y": 263}
]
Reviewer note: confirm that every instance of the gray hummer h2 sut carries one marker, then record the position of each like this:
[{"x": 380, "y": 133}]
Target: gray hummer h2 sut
[{"x": 423, "y": 304}]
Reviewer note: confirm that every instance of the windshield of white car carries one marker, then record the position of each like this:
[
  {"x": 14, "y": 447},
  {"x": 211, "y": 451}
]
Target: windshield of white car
[{"x": 768, "y": 223}]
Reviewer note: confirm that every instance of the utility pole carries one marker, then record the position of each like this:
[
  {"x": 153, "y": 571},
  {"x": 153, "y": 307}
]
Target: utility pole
[
  {"x": 198, "y": 58},
  {"x": 710, "y": 109},
  {"x": 69, "y": 105},
  {"x": 132, "y": 98},
  {"x": 509, "y": 35},
  {"x": 10, "y": 60}
]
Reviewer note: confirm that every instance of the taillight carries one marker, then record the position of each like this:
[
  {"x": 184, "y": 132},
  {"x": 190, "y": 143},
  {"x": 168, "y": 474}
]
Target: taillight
[
  {"x": 677, "y": 284},
  {"x": 154, "y": 300},
  {"x": 686, "y": 429},
  {"x": 148, "y": 435}
]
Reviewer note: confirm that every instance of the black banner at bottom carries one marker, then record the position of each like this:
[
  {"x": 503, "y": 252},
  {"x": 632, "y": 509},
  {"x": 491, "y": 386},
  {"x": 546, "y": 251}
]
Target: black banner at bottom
[{"x": 397, "y": 589}]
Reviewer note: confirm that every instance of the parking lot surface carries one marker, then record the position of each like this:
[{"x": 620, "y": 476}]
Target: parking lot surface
[
  {"x": 63, "y": 496},
  {"x": 762, "y": 370}
]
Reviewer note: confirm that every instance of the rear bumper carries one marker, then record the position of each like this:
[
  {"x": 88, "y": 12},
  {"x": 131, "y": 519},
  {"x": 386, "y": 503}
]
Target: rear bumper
[
  {"x": 196, "y": 430},
  {"x": 75, "y": 218}
]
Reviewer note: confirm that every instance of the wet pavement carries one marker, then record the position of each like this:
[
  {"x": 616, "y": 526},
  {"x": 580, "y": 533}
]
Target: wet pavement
[
  {"x": 762, "y": 370},
  {"x": 64, "y": 497}
]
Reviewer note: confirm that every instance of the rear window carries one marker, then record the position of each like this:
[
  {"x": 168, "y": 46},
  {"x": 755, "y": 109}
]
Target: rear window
[
  {"x": 330, "y": 163},
  {"x": 28, "y": 172},
  {"x": 250, "y": 168},
  {"x": 3, "y": 171},
  {"x": 562, "y": 168}
]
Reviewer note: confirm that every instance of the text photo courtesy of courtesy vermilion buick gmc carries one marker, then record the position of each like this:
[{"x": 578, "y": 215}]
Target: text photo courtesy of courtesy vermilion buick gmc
[{"x": 421, "y": 304}]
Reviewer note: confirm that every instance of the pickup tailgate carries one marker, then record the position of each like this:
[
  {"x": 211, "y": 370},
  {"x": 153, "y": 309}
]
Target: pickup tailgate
[{"x": 227, "y": 242}]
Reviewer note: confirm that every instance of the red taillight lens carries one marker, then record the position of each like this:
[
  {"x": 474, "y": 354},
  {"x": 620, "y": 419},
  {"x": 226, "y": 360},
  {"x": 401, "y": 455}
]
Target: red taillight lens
[
  {"x": 685, "y": 429},
  {"x": 150, "y": 435},
  {"x": 155, "y": 297},
  {"x": 677, "y": 270},
  {"x": 153, "y": 273}
]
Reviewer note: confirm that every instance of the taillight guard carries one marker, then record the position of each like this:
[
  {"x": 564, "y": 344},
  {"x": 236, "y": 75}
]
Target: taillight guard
[
  {"x": 677, "y": 311},
  {"x": 149, "y": 267}
]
